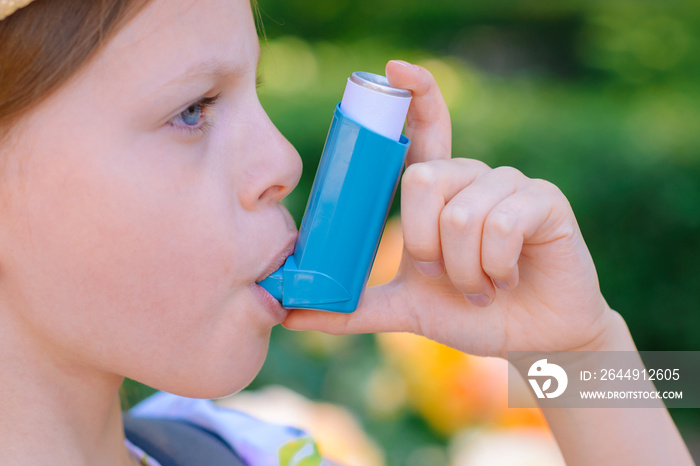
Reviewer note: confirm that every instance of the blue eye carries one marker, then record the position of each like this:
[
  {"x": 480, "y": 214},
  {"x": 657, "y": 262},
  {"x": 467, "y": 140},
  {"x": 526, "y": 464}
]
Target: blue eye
[
  {"x": 192, "y": 114},
  {"x": 195, "y": 117}
]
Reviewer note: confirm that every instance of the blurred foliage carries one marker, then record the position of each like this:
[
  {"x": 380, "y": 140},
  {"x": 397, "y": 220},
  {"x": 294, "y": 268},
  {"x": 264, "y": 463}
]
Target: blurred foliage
[{"x": 599, "y": 97}]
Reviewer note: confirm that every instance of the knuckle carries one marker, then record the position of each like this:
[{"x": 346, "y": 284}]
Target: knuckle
[
  {"x": 546, "y": 187},
  {"x": 457, "y": 216},
  {"x": 501, "y": 221},
  {"x": 472, "y": 164},
  {"x": 508, "y": 173},
  {"x": 419, "y": 176},
  {"x": 553, "y": 196},
  {"x": 568, "y": 229}
]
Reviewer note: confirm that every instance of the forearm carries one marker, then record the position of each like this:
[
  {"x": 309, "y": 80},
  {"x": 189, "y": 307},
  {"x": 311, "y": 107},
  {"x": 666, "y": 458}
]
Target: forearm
[{"x": 620, "y": 436}]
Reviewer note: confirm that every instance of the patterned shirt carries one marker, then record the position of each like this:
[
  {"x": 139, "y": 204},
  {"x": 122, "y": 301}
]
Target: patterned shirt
[{"x": 257, "y": 443}]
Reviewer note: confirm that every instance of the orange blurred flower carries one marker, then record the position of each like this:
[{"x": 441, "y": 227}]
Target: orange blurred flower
[
  {"x": 452, "y": 390},
  {"x": 388, "y": 258}
]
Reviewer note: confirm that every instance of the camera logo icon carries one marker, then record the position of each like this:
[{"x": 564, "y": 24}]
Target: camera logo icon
[{"x": 541, "y": 369}]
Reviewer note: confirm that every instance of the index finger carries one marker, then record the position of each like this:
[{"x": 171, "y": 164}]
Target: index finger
[
  {"x": 381, "y": 308},
  {"x": 428, "y": 121}
]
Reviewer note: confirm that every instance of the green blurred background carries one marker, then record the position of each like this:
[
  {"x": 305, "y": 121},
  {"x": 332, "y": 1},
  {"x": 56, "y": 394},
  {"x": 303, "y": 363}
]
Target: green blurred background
[{"x": 599, "y": 97}]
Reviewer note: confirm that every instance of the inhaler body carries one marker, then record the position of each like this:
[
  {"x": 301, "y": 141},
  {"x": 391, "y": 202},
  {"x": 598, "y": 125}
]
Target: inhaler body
[{"x": 355, "y": 183}]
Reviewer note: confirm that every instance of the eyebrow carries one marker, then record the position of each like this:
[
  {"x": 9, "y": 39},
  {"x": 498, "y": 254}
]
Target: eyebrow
[{"x": 211, "y": 68}]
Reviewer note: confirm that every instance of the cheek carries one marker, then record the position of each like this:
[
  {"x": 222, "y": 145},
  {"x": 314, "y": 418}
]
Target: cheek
[
  {"x": 146, "y": 246},
  {"x": 115, "y": 266}
]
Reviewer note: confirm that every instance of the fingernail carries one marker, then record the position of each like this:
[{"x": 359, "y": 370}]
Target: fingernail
[
  {"x": 479, "y": 300},
  {"x": 501, "y": 285},
  {"x": 431, "y": 269},
  {"x": 406, "y": 64}
]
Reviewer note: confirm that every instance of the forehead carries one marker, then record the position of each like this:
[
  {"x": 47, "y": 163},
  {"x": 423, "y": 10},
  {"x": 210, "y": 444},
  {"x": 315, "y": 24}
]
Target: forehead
[{"x": 170, "y": 37}]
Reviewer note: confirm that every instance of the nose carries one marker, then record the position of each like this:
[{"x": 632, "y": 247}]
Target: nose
[{"x": 275, "y": 168}]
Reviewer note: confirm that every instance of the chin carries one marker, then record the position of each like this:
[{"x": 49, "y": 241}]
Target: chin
[
  {"x": 208, "y": 387},
  {"x": 216, "y": 379}
]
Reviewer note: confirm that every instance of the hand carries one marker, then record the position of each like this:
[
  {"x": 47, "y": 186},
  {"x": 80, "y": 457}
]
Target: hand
[{"x": 493, "y": 261}]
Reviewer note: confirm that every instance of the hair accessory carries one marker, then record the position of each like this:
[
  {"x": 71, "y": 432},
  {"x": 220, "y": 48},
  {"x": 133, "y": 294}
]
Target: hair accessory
[{"x": 7, "y": 7}]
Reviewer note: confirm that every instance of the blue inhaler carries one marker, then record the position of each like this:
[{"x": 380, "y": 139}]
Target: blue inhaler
[{"x": 355, "y": 183}]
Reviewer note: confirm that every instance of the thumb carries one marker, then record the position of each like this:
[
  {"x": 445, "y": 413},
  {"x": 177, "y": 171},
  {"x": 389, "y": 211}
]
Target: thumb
[{"x": 379, "y": 310}]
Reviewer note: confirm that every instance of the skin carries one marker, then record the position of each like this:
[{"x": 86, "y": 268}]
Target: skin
[
  {"x": 495, "y": 262},
  {"x": 130, "y": 246}
]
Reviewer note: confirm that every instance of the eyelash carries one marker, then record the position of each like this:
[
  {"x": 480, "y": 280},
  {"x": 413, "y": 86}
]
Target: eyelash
[
  {"x": 205, "y": 103},
  {"x": 204, "y": 123}
]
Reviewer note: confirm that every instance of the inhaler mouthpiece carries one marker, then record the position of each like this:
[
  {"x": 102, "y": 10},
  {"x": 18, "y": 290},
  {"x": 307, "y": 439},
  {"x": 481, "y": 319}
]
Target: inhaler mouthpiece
[{"x": 373, "y": 103}]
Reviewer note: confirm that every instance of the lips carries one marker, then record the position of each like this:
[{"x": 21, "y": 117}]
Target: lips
[
  {"x": 270, "y": 304},
  {"x": 280, "y": 258}
]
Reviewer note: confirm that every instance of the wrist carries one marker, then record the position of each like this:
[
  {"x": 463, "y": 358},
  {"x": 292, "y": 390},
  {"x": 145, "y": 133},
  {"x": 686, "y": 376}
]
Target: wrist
[{"x": 613, "y": 336}]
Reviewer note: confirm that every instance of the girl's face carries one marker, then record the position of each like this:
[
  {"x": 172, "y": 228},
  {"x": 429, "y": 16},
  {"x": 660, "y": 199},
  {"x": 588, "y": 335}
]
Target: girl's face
[{"x": 141, "y": 204}]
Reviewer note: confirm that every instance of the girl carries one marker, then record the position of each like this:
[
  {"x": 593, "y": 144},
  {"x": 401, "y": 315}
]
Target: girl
[{"x": 141, "y": 189}]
